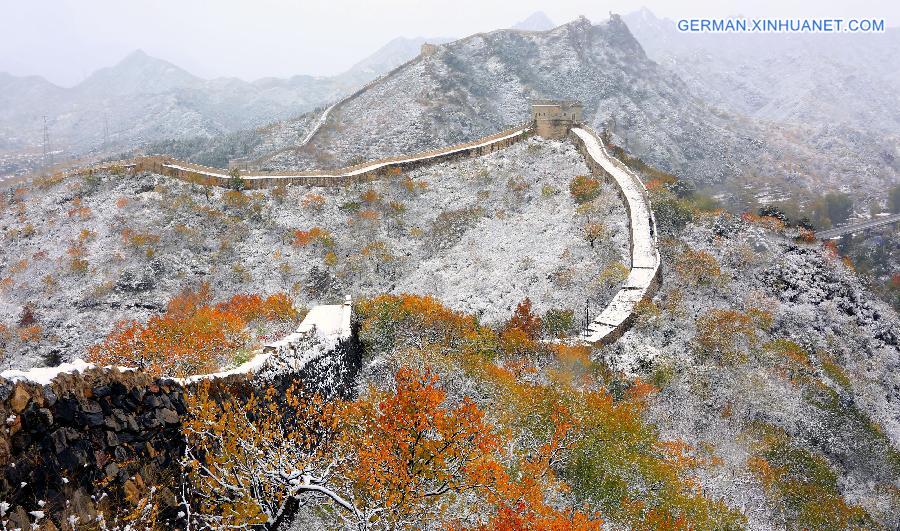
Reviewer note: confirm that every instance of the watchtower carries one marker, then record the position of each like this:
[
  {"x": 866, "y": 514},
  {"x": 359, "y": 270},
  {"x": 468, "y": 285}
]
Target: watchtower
[
  {"x": 428, "y": 49},
  {"x": 552, "y": 119}
]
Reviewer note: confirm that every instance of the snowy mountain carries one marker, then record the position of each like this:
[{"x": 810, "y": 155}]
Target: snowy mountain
[
  {"x": 480, "y": 84},
  {"x": 476, "y": 86},
  {"x": 143, "y": 99}
]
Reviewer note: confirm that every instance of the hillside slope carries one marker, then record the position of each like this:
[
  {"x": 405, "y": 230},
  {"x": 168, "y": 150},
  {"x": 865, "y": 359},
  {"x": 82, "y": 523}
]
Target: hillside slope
[
  {"x": 482, "y": 234},
  {"x": 482, "y": 83},
  {"x": 477, "y": 85}
]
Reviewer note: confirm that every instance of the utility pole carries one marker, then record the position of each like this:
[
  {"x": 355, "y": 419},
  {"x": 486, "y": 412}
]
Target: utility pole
[{"x": 48, "y": 151}]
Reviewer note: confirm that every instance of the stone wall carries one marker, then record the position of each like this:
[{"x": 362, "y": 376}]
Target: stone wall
[
  {"x": 553, "y": 119},
  {"x": 360, "y": 173},
  {"x": 645, "y": 276},
  {"x": 93, "y": 439}
]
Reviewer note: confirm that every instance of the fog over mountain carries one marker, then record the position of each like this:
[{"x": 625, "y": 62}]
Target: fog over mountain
[
  {"x": 537, "y": 21},
  {"x": 143, "y": 99},
  {"x": 818, "y": 79}
]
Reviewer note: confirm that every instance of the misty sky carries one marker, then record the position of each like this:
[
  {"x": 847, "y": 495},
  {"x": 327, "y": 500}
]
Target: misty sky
[{"x": 65, "y": 40}]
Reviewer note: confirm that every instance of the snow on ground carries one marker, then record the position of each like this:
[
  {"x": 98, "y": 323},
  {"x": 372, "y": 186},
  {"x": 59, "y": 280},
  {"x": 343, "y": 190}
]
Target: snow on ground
[{"x": 481, "y": 234}]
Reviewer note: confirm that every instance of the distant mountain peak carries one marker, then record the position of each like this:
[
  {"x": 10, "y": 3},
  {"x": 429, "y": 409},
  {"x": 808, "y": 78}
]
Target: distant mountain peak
[
  {"x": 138, "y": 72},
  {"x": 537, "y": 21}
]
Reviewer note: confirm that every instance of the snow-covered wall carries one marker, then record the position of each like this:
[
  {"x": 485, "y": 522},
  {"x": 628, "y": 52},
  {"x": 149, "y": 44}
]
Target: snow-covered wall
[
  {"x": 364, "y": 172},
  {"x": 646, "y": 274}
]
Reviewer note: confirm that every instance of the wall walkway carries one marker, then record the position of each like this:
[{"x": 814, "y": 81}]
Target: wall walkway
[
  {"x": 645, "y": 275},
  {"x": 367, "y": 171}
]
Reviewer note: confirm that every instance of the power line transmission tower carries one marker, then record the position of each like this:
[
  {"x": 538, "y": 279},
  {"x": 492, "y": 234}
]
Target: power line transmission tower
[
  {"x": 105, "y": 129},
  {"x": 48, "y": 152}
]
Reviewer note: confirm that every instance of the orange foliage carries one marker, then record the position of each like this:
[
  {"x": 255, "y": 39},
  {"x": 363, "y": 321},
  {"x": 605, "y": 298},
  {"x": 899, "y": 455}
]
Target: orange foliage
[
  {"x": 19, "y": 266},
  {"x": 122, "y": 202},
  {"x": 660, "y": 182},
  {"x": 30, "y": 333},
  {"x": 719, "y": 332},
  {"x": 249, "y": 308},
  {"x": 369, "y": 215},
  {"x": 79, "y": 210},
  {"x": 370, "y": 196},
  {"x": 302, "y": 238},
  {"x": 235, "y": 199},
  {"x": 313, "y": 201},
  {"x": 526, "y": 321},
  {"x": 584, "y": 188},
  {"x": 698, "y": 267},
  {"x": 409, "y": 447},
  {"x": 768, "y": 222},
  {"x": 191, "y": 337}
]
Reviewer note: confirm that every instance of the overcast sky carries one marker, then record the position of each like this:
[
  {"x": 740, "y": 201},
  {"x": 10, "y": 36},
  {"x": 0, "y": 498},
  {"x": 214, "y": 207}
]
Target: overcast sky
[{"x": 65, "y": 40}]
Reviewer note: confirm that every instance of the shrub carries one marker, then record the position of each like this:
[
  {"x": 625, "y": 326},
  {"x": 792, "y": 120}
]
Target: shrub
[
  {"x": 31, "y": 333},
  {"x": 279, "y": 193},
  {"x": 235, "y": 181},
  {"x": 79, "y": 210},
  {"x": 302, "y": 238},
  {"x": 414, "y": 186},
  {"x": 584, "y": 188},
  {"x": 370, "y": 196},
  {"x": 350, "y": 206},
  {"x": 235, "y": 199},
  {"x": 698, "y": 268},
  {"x": 397, "y": 208},
  {"x": 369, "y": 215},
  {"x": 548, "y": 190},
  {"x": 313, "y": 201},
  {"x": 725, "y": 334},
  {"x": 593, "y": 232},
  {"x": 192, "y": 336},
  {"x": 558, "y": 322}
]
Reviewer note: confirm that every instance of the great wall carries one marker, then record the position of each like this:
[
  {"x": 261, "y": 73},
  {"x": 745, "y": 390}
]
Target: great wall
[{"x": 67, "y": 427}]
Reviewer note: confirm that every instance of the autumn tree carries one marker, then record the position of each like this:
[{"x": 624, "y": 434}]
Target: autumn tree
[
  {"x": 409, "y": 449},
  {"x": 399, "y": 456},
  {"x": 525, "y": 320},
  {"x": 192, "y": 336},
  {"x": 249, "y": 463}
]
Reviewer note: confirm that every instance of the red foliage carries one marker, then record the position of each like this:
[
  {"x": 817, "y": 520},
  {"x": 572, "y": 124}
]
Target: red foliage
[{"x": 525, "y": 320}]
